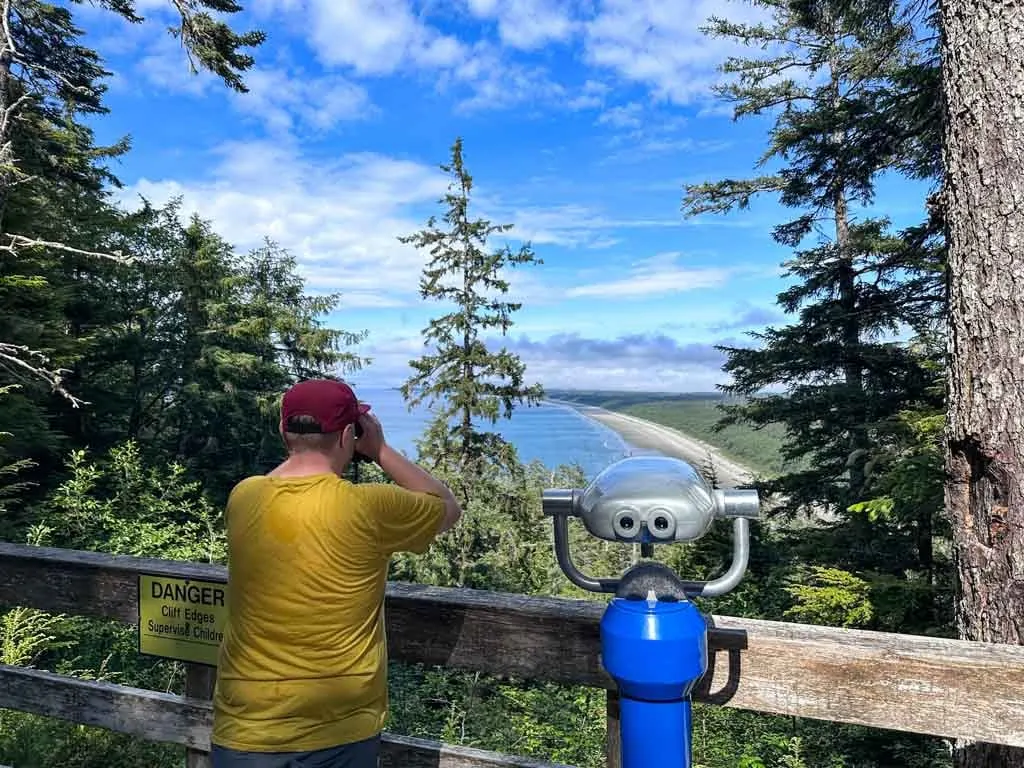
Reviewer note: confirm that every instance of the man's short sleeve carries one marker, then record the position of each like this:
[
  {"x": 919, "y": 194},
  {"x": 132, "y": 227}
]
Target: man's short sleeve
[{"x": 406, "y": 521}]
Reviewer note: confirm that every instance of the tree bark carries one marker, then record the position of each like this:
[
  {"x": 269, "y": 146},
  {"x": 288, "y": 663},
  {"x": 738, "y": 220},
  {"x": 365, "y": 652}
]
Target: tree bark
[
  {"x": 983, "y": 73},
  {"x": 8, "y": 110},
  {"x": 853, "y": 367},
  {"x": 853, "y": 364}
]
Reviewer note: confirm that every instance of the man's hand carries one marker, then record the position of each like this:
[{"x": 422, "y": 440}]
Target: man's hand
[{"x": 372, "y": 441}]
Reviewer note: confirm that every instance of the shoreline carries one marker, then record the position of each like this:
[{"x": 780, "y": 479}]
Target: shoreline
[{"x": 649, "y": 436}]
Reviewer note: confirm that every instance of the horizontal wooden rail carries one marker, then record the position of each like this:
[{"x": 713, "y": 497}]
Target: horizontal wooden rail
[
  {"x": 174, "y": 719},
  {"x": 934, "y": 686}
]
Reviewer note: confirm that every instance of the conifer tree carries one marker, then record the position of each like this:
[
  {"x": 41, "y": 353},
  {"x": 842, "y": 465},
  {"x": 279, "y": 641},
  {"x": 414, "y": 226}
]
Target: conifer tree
[
  {"x": 462, "y": 378},
  {"x": 196, "y": 344},
  {"x": 831, "y": 66},
  {"x": 48, "y": 82}
]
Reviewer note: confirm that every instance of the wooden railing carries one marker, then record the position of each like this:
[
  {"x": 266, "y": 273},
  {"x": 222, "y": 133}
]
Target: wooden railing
[{"x": 939, "y": 687}]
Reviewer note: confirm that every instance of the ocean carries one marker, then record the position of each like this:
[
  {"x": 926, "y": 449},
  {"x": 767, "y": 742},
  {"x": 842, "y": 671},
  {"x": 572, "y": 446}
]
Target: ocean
[{"x": 552, "y": 433}]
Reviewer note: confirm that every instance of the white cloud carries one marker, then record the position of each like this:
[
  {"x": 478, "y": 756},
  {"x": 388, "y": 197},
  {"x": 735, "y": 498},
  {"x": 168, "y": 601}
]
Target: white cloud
[
  {"x": 642, "y": 131},
  {"x": 554, "y": 374},
  {"x": 372, "y": 37},
  {"x": 591, "y": 95},
  {"x": 340, "y": 217},
  {"x": 622, "y": 116},
  {"x": 281, "y": 99},
  {"x": 377, "y": 38},
  {"x": 568, "y": 225},
  {"x": 368, "y": 37},
  {"x": 642, "y": 362},
  {"x": 527, "y": 24},
  {"x": 495, "y": 82},
  {"x": 655, "y": 276},
  {"x": 655, "y": 43},
  {"x": 143, "y": 7},
  {"x": 659, "y": 44},
  {"x": 164, "y": 63}
]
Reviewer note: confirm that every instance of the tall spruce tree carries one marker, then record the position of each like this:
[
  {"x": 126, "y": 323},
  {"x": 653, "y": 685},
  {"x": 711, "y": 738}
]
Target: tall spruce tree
[
  {"x": 905, "y": 481},
  {"x": 830, "y": 66},
  {"x": 462, "y": 378}
]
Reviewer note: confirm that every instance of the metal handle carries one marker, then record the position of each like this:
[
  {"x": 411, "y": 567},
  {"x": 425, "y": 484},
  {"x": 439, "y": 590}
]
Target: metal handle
[
  {"x": 574, "y": 574},
  {"x": 740, "y": 557},
  {"x": 560, "y": 501},
  {"x": 738, "y": 502}
]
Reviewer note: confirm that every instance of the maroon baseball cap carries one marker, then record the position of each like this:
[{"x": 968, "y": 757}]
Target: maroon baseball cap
[{"x": 331, "y": 403}]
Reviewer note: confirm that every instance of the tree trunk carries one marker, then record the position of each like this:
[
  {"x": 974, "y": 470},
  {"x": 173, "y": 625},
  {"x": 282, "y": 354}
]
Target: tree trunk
[
  {"x": 983, "y": 73},
  {"x": 853, "y": 366},
  {"x": 8, "y": 112},
  {"x": 925, "y": 544},
  {"x": 853, "y": 369},
  {"x": 468, "y": 379}
]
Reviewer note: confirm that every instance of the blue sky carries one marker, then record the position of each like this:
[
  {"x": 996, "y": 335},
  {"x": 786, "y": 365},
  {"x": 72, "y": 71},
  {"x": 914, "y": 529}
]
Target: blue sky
[{"x": 581, "y": 120}]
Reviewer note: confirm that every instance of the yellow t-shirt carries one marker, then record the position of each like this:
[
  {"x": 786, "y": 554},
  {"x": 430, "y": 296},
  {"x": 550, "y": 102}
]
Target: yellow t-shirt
[{"x": 303, "y": 662}]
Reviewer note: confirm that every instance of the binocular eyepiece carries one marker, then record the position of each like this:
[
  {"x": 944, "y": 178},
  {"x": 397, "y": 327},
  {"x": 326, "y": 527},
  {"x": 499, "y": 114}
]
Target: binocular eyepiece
[{"x": 650, "y": 500}]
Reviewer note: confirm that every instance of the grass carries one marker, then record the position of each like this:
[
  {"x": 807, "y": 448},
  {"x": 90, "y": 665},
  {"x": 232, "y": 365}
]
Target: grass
[{"x": 695, "y": 414}]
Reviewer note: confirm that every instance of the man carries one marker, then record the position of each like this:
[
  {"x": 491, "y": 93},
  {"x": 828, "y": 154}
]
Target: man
[{"x": 302, "y": 676}]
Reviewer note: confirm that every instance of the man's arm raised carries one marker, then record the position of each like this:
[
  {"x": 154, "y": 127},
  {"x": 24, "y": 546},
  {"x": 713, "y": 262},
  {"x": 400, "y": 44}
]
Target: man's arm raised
[
  {"x": 410, "y": 518},
  {"x": 414, "y": 478}
]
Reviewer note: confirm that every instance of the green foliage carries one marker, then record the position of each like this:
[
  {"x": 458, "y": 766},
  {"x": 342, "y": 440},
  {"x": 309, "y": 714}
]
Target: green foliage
[
  {"x": 25, "y": 633},
  {"x": 128, "y": 508},
  {"x": 830, "y": 596},
  {"x": 463, "y": 380},
  {"x": 28, "y": 741},
  {"x": 52, "y": 177},
  {"x": 503, "y": 540},
  {"x": 906, "y": 475},
  {"x": 10, "y": 486},
  {"x": 186, "y": 349},
  {"x": 119, "y": 505},
  {"x": 532, "y": 720}
]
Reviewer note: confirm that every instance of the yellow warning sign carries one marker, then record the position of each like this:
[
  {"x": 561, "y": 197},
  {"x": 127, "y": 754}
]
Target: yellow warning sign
[{"x": 181, "y": 619}]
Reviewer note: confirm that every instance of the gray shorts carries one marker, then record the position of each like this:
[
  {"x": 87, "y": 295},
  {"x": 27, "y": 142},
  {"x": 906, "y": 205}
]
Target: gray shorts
[{"x": 359, "y": 754}]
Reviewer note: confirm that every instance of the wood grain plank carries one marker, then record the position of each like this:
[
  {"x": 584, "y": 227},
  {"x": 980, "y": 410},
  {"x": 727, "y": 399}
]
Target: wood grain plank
[
  {"x": 200, "y": 681},
  {"x": 150, "y": 715},
  {"x": 186, "y": 721},
  {"x": 934, "y": 686}
]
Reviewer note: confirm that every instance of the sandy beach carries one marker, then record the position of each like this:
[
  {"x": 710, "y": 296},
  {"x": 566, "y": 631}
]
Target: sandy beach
[
  {"x": 646, "y": 435},
  {"x": 649, "y": 436}
]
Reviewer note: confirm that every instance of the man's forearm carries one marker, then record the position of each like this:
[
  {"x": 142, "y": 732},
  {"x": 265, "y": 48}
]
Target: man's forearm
[{"x": 409, "y": 475}]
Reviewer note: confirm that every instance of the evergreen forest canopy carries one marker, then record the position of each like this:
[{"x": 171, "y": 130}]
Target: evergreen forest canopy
[{"x": 142, "y": 355}]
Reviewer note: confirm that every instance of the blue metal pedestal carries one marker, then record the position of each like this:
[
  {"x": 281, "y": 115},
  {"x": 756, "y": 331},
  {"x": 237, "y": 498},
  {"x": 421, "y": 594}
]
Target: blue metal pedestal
[{"x": 656, "y": 651}]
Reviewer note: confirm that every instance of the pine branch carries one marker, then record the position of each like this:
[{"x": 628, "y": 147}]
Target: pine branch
[
  {"x": 18, "y": 242},
  {"x": 34, "y": 369}
]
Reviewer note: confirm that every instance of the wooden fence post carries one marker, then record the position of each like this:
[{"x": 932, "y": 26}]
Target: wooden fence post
[
  {"x": 613, "y": 739},
  {"x": 199, "y": 683}
]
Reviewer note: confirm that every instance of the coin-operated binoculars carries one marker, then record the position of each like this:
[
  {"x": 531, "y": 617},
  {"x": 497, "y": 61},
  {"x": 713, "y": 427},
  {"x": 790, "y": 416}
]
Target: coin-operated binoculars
[{"x": 653, "y": 638}]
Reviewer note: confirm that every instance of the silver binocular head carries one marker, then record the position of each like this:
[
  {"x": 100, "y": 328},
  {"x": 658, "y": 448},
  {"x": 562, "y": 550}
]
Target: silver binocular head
[{"x": 651, "y": 500}]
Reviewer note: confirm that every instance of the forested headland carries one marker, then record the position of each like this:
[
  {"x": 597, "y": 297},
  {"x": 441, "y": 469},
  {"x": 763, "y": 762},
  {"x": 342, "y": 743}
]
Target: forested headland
[{"x": 142, "y": 357}]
